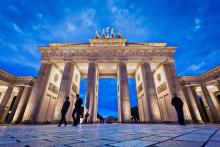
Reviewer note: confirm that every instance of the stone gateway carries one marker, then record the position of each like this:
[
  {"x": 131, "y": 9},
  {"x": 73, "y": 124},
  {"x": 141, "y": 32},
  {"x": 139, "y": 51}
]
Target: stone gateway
[{"x": 39, "y": 100}]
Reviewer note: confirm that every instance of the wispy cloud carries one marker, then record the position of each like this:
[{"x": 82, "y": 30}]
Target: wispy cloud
[
  {"x": 197, "y": 23},
  {"x": 14, "y": 9},
  {"x": 87, "y": 17},
  {"x": 127, "y": 18},
  {"x": 21, "y": 61},
  {"x": 17, "y": 28},
  {"x": 195, "y": 67},
  {"x": 39, "y": 15},
  {"x": 70, "y": 27}
]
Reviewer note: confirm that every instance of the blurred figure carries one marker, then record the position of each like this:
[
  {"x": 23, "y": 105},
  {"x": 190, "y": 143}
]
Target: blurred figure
[
  {"x": 178, "y": 104},
  {"x": 86, "y": 117},
  {"x": 76, "y": 111},
  {"x": 100, "y": 118},
  {"x": 64, "y": 110}
]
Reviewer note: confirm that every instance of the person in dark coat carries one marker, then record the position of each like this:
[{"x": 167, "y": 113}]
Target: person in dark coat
[
  {"x": 178, "y": 104},
  {"x": 64, "y": 110},
  {"x": 76, "y": 111}
]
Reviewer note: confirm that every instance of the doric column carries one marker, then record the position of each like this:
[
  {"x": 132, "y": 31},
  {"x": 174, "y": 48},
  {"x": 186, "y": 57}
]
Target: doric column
[
  {"x": 124, "y": 111},
  {"x": 5, "y": 100},
  {"x": 213, "y": 111},
  {"x": 22, "y": 105},
  {"x": 37, "y": 93},
  {"x": 15, "y": 105},
  {"x": 65, "y": 88},
  {"x": 175, "y": 87},
  {"x": 191, "y": 101},
  {"x": 150, "y": 100},
  {"x": 215, "y": 100},
  {"x": 218, "y": 85},
  {"x": 198, "y": 103},
  {"x": 140, "y": 109},
  {"x": 91, "y": 93}
]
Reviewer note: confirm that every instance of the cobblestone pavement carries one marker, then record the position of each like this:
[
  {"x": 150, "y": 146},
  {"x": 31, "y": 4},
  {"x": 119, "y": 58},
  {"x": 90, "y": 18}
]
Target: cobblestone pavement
[{"x": 117, "y": 135}]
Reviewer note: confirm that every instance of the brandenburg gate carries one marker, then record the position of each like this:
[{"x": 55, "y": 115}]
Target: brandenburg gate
[
  {"x": 64, "y": 64},
  {"x": 27, "y": 99}
]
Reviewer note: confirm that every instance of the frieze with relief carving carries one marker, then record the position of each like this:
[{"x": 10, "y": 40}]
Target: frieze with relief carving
[{"x": 107, "y": 54}]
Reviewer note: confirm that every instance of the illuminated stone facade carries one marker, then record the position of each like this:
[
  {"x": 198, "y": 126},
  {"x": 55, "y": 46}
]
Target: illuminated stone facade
[
  {"x": 14, "y": 95},
  {"x": 203, "y": 95},
  {"x": 64, "y": 64}
]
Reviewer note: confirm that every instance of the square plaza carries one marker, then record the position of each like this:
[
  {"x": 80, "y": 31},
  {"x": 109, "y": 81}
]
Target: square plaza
[
  {"x": 116, "y": 135},
  {"x": 118, "y": 73}
]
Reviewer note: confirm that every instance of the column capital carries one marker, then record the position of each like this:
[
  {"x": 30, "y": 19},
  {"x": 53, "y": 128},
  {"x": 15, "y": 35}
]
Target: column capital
[
  {"x": 46, "y": 62},
  {"x": 122, "y": 61},
  {"x": 145, "y": 61},
  {"x": 93, "y": 62},
  {"x": 67, "y": 61},
  {"x": 189, "y": 85}
]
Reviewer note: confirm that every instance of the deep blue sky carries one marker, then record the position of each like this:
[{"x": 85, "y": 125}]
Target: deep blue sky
[{"x": 192, "y": 25}]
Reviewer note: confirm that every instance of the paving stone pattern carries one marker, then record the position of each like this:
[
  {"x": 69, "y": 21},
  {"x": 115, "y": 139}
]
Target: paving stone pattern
[{"x": 113, "y": 135}]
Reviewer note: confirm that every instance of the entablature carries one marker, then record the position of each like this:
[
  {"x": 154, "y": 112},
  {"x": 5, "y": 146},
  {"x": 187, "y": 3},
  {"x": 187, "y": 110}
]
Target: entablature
[
  {"x": 16, "y": 80},
  {"x": 207, "y": 78},
  {"x": 107, "y": 53}
]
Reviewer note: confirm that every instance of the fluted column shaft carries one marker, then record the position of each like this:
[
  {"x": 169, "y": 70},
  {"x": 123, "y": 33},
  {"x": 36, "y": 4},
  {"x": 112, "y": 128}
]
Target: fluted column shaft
[
  {"x": 150, "y": 100},
  {"x": 5, "y": 100},
  {"x": 22, "y": 105},
  {"x": 199, "y": 105},
  {"x": 34, "y": 102},
  {"x": 193, "y": 107},
  {"x": 175, "y": 87},
  {"x": 91, "y": 93},
  {"x": 123, "y": 97},
  {"x": 213, "y": 111},
  {"x": 15, "y": 105},
  {"x": 65, "y": 88},
  {"x": 218, "y": 84}
]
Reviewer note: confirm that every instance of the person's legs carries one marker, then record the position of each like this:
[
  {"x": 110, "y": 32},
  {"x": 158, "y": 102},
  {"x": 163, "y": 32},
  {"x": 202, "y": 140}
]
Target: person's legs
[
  {"x": 78, "y": 117},
  {"x": 85, "y": 120},
  {"x": 86, "y": 117},
  {"x": 60, "y": 122},
  {"x": 73, "y": 115},
  {"x": 181, "y": 117},
  {"x": 62, "y": 119}
]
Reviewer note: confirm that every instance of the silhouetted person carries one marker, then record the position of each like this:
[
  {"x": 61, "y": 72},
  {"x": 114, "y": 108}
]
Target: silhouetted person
[
  {"x": 178, "y": 104},
  {"x": 64, "y": 110},
  {"x": 76, "y": 111},
  {"x": 86, "y": 117}
]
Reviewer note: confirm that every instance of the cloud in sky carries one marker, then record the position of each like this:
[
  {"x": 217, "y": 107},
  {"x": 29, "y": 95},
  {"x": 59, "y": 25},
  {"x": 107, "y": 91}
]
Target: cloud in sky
[
  {"x": 17, "y": 28},
  {"x": 196, "y": 67},
  {"x": 190, "y": 25}
]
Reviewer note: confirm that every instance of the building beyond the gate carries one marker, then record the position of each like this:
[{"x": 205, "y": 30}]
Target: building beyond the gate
[{"x": 30, "y": 100}]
